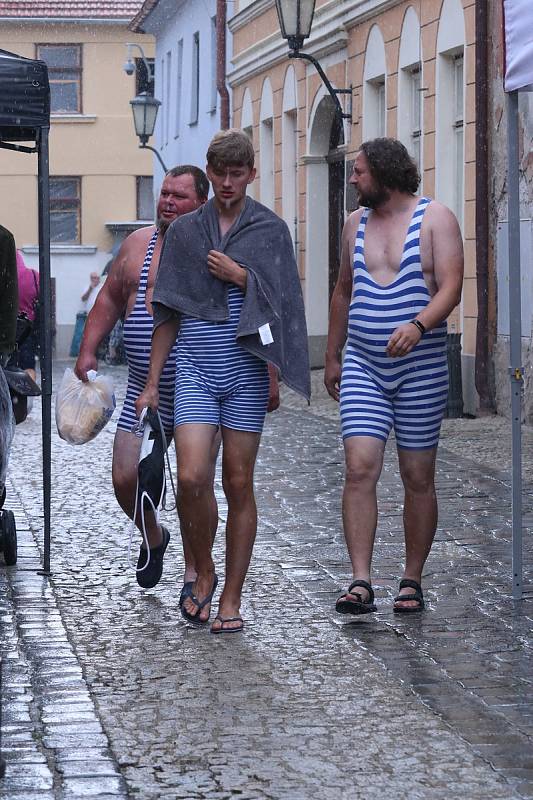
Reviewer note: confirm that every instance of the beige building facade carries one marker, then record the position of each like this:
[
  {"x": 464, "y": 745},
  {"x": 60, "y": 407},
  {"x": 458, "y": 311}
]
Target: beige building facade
[
  {"x": 100, "y": 181},
  {"x": 410, "y": 65}
]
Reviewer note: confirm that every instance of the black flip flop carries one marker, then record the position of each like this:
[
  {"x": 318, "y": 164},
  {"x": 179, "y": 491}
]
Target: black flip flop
[
  {"x": 407, "y": 583},
  {"x": 186, "y": 591},
  {"x": 224, "y": 620},
  {"x": 199, "y": 605},
  {"x": 345, "y": 606}
]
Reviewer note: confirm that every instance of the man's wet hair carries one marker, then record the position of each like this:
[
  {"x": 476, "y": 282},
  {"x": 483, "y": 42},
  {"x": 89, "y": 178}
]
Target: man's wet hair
[
  {"x": 201, "y": 184},
  {"x": 390, "y": 164},
  {"x": 231, "y": 148}
]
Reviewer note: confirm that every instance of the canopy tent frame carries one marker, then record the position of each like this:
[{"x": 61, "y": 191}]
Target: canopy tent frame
[{"x": 25, "y": 117}]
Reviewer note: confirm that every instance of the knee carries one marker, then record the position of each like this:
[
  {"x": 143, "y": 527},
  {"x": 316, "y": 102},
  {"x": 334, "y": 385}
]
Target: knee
[
  {"x": 192, "y": 481},
  {"x": 417, "y": 481},
  {"x": 237, "y": 484},
  {"x": 125, "y": 485},
  {"x": 361, "y": 475}
]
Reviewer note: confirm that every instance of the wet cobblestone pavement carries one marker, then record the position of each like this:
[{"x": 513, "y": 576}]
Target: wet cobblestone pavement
[{"x": 107, "y": 692}]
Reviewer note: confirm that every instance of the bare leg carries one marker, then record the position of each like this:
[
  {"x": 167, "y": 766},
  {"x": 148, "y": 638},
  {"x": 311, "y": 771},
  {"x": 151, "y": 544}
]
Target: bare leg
[
  {"x": 190, "y": 569},
  {"x": 417, "y": 469},
  {"x": 364, "y": 461},
  {"x": 194, "y": 449},
  {"x": 238, "y": 462},
  {"x": 126, "y": 449}
]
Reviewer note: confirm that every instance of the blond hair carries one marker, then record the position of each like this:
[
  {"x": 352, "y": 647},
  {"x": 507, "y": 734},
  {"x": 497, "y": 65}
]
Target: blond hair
[{"x": 231, "y": 148}]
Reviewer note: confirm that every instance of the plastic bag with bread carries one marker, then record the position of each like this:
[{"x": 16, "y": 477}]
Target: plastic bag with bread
[{"x": 83, "y": 409}]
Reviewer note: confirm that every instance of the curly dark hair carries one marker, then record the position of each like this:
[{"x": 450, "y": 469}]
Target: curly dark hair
[{"x": 391, "y": 165}]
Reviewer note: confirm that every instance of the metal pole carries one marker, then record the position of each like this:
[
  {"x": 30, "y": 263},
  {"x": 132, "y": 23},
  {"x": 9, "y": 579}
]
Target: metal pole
[
  {"x": 515, "y": 330},
  {"x": 43, "y": 184},
  {"x": 145, "y": 146}
]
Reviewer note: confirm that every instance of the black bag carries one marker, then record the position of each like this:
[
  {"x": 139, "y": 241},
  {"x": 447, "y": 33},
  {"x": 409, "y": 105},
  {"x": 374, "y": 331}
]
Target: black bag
[{"x": 21, "y": 386}]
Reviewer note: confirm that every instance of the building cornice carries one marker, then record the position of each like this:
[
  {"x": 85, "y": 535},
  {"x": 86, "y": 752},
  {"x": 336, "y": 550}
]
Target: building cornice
[
  {"x": 65, "y": 20},
  {"x": 330, "y": 34},
  {"x": 248, "y": 14}
]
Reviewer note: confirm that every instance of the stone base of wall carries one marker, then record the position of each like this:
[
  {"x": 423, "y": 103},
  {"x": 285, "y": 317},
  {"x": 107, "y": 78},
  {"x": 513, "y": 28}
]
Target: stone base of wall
[
  {"x": 503, "y": 381},
  {"x": 470, "y": 395},
  {"x": 317, "y": 351}
]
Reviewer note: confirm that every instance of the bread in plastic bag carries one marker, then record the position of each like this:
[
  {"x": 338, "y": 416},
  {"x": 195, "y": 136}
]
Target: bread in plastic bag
[
  {"x": 83, "y": 409},
  {"x": 7, "y": 428}
]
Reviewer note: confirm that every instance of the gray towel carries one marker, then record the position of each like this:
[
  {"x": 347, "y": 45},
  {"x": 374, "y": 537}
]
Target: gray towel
[{"x": 260, "y": 242}]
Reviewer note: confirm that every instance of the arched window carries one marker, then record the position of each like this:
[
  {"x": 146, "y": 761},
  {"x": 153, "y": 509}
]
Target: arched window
[
  {"x": 247, "y": 125},
  {"x": 289, "y": 154},
  {"x": 410, "y": 99},
  {"x": 449, "y": 177},
  {"x": 266, "y": 146},
  {"x": 374, "y": 87}
]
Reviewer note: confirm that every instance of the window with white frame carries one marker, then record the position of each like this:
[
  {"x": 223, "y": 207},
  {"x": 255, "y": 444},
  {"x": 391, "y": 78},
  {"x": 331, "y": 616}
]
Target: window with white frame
[
  {"x": 374, "y": 86},
  {"x": 145, "y": 197},
  {"x": 179, "y": 87},
  {"x": 64, "y": 72},
  {"x": 458, "y": 133},
  {"x": 415, "y": 116},
  {"x": 247, "y": 125},
  {"x": 167, "y": 94},
  {"x": 213, "y": 103},
  {"x": 266, "y": 146},
  {"x": 195, "y": 79}
]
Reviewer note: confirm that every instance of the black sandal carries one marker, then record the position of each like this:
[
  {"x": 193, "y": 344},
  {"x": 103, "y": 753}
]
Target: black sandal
[
  {"x": 407, "y": 583},
  {"x": 345, "y": 606}
]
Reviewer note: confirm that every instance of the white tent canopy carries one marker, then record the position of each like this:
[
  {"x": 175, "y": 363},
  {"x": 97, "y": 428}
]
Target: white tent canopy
[{"x": 518, "y": 23}]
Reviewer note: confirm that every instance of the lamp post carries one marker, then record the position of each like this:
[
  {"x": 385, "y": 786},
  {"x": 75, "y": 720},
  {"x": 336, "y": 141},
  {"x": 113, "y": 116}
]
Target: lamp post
[
  {"x": 145, "y": 108},
  {"x": 295, "y": 20}
]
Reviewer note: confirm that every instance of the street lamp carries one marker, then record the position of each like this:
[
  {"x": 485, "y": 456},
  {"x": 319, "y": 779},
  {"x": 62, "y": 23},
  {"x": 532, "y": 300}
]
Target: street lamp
[
  {"x": 295, "y": 20},
  {"x": 145, "y": 108}
]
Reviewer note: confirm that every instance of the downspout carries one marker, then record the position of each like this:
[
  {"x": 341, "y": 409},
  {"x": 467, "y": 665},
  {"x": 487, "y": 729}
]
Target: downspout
[
  {"x": 482, "y": 210},
  {"x": 221, "y": 64}
]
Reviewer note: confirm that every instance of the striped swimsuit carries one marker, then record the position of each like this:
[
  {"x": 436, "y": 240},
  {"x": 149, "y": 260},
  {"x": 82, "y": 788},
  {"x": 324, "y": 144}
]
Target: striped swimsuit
[
  {"x": 137, "y": 343},
  {"x": 218, "y": 382},
  {"x": 377, "y": 391}
]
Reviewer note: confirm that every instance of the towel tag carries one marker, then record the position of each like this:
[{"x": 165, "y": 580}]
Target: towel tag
[{"x": 265, "y": 334}]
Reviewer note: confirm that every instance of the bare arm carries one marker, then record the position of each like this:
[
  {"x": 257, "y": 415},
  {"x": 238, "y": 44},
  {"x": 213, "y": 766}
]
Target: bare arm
[
  {"x": 338, "y": 314},
  {"x": 108, "y": 308},
  {"x": 448, "y": 266},
  {"x": 163, "y": 339}
]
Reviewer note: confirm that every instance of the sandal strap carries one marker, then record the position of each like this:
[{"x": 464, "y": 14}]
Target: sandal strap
[
  {"x": 408, "y": 583},
  {"x": 363, "y": 585},
  {"x": 401, "y": 597}
]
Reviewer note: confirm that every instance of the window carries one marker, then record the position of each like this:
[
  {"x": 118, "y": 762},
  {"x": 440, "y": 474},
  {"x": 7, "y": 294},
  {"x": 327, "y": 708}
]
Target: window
[
  {"x": 179, "y": 87},
  {"x": 416, "y": 114},
  {"x": 195, "y": 79},
  {"x": 458, "y": 129},
  {"x": 213, "y": 103},
  {"x": 144, "y": 79},
  {"x": 64, "y": 73},
  {"x": 381, "y": 108},
  {"x": 65, "y": 210},
  {"x": 145, "y": 197},
  {"x": 167, "y": 96}
]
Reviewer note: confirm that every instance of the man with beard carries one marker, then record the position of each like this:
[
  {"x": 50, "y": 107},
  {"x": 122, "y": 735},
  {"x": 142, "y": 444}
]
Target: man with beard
[
  {"x": 127, "y": 293},
  {"x": 400, "y": 277}
]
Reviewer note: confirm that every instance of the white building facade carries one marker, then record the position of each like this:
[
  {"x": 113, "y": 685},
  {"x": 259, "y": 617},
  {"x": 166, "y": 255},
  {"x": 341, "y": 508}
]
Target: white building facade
[{"x": 185, "y": 78}]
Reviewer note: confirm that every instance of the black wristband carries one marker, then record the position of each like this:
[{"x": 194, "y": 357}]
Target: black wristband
[{"x": 419, "y": 325}]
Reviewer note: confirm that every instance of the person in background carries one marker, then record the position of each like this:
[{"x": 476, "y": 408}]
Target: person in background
[
  {"x": 28, "y": 283},
  {"x": 88, "y": 300}
]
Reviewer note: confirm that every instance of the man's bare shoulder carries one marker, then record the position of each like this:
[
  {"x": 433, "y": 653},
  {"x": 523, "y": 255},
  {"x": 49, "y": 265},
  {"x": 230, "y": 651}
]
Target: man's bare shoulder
[
  {"x": 133, "y": 248},
  {"x": 353, "y": 220},
  {"x": 437, "y": 214}
]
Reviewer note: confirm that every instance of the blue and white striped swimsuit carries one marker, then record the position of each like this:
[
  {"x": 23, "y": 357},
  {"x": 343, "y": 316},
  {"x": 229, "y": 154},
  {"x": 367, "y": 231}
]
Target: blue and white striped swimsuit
[
  {"x": 137, "y": 344},
  {"x": 218, "y": 382},
  {"x": 377, "y": 391}
]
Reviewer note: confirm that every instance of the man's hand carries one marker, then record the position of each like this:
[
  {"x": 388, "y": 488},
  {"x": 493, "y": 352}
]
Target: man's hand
[
  {"x": 149, "y": 397},
  {"x": 273, "y": 389},
  {"x": 225, "y": 269},
  {"x": 332, "y": 378},
  {"x": 85, "y": 362},
  {"x": 402, "y": 340}
]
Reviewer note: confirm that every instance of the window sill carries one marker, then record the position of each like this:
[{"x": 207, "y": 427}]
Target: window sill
[
  {"x": 63, "y": 249},
  {"x": 72, "y": 118}
]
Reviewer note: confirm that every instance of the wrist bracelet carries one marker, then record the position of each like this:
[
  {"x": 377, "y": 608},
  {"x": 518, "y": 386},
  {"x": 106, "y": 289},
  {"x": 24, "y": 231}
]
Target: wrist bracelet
[{"x": 418, "y": 324}]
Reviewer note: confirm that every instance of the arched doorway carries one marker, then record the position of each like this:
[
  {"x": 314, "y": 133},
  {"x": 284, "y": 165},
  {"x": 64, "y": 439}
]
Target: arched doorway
[{"x": 325, "y": 163}]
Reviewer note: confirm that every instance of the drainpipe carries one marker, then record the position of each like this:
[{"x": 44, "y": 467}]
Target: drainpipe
[
  {"x": 482, "y": 209},
  {"x": 221, "y": 64}
]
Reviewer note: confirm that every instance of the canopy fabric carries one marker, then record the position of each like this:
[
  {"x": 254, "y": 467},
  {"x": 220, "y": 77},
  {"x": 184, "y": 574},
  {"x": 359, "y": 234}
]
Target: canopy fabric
[
  {"x": 24, "y": 97},
  {"x": 518, "y": 32}
]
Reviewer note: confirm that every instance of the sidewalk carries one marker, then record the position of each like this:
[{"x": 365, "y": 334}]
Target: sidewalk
[{"x": 107, "y": 693}]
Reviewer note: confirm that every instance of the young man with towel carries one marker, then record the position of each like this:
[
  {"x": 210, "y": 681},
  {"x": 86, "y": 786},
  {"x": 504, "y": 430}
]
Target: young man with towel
[{"x": 228, "y": 286}]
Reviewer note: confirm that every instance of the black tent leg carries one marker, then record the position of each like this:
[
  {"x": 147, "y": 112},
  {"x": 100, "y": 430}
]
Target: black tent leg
[{"x": 45, "y": 334}]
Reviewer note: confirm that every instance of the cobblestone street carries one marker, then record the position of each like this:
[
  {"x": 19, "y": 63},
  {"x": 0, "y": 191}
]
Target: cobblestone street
[{"x": 108, "y": 693}]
